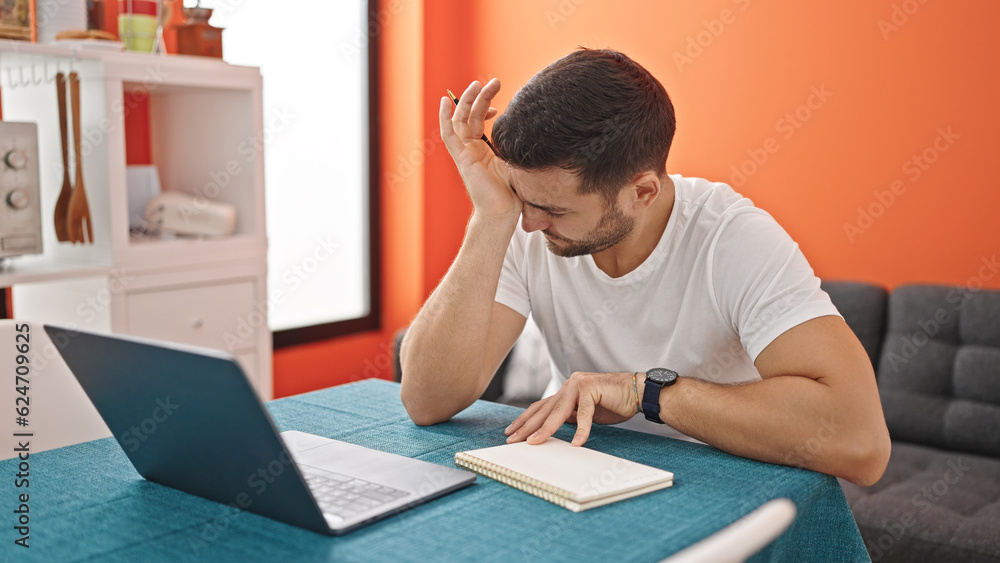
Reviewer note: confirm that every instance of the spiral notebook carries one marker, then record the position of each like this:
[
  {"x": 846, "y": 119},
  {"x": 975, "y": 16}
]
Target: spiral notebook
[{"x": 576, "y": 478}]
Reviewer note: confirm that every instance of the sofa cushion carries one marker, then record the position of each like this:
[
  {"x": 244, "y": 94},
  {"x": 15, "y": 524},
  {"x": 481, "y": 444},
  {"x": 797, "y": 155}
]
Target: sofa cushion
[
  {"x": 863, "y": 307},
  {"x": 939, "y": 374},
  {"x": 931, "y": 505}
]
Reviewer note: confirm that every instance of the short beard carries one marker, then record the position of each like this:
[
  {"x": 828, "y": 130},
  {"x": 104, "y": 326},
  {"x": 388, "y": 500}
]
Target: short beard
[{"x": 613, "y": 228}]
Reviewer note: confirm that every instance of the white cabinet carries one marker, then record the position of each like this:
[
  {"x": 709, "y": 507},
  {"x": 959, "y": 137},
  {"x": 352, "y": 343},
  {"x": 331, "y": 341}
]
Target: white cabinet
[{"x": 206, "y": 133}]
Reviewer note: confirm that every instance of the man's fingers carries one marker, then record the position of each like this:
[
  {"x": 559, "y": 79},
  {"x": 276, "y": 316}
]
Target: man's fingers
[
  {"x": 584, "y": 419},
  {"x": 533, "y": 419},
  {"x": 561, "y": 410},
  {"x": 448, "y": 135},
  {"x": 527, "y": 414},
  {"x": 464, "y": 107},
  {"x": 519, "y": 421},
  {"x": 491, "y": 113},
  {"x": 481, "y": 106},
  {"x": 531, "y": 426}
]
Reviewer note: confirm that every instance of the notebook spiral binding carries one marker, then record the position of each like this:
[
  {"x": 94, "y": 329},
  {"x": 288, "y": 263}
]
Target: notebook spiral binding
[{"x": 517, "y": 480}]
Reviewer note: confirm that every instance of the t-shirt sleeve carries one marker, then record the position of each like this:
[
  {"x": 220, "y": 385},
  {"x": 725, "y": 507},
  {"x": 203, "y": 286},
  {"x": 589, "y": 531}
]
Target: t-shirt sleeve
[
  {"x": 762, "y": 281},
  {"x": 512, "y": 290}
]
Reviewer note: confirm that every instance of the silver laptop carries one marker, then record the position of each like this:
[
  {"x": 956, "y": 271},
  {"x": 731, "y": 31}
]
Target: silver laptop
[{"x": 187, "y": 418}]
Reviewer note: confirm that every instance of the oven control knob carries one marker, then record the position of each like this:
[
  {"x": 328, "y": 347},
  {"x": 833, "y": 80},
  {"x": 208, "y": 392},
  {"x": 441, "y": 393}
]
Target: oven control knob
[
  {"x": 16, "y": 159},
  {"x": 18, "y": 199}
]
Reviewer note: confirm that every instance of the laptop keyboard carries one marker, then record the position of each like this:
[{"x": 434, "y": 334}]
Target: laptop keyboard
[{"x": 346, "y": 496}]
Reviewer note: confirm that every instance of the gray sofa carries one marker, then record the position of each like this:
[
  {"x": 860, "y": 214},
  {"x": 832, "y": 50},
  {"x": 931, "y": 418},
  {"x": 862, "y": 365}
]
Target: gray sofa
[{"x": 937, "y": 355}]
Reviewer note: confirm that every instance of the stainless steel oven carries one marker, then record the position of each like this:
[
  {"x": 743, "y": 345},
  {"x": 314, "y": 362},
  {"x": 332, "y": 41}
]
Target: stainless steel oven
[{"x": 21, "y": 209}]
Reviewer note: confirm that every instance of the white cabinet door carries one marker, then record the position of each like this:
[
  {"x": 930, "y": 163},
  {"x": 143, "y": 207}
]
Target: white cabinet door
[{"x": 214, "y": 316}]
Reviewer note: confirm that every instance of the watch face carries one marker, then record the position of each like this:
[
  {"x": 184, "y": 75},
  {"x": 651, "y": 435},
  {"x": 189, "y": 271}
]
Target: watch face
[{"x": 662, "y": 376}]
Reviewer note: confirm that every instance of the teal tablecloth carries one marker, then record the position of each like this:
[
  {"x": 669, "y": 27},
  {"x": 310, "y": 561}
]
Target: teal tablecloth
[{"x": 88, "y": 503}]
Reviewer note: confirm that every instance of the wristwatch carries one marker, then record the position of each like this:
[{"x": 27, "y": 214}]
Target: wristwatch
[{"x": 656, "y": 380}]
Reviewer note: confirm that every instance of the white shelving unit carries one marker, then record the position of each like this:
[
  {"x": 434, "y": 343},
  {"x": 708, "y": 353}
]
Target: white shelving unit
[{"x": 206, "y": 124}]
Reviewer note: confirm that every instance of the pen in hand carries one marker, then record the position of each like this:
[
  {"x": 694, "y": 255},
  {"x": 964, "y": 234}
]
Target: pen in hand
[{"x": 488, "y": 143}]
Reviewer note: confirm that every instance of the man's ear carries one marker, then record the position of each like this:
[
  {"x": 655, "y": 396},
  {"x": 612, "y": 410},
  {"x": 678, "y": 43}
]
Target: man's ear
[{"x": 645, "y": 188}]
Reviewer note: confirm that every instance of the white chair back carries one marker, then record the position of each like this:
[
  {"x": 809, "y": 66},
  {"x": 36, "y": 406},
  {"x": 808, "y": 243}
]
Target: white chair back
[{"x": 741, "y": 539}]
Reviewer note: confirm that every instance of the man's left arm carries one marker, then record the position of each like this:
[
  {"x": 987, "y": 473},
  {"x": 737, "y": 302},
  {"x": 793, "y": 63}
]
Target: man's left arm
[{"x": 817, "y": 406}]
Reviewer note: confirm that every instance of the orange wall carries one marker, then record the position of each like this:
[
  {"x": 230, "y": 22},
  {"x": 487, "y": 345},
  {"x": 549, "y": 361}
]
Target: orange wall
[
  {"x": 448, "y": 64},
  {"x": 749, "y": 64},
  {"x": 890, "y": 96}
]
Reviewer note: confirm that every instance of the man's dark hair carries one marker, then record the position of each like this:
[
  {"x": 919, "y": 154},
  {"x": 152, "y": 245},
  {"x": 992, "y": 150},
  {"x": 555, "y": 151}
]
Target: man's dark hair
[{"x": 596, "y": 113}]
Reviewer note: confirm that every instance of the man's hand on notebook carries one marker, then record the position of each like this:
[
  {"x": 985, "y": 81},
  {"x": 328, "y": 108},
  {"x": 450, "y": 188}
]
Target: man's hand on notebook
[{"x": 585, "y": 398}]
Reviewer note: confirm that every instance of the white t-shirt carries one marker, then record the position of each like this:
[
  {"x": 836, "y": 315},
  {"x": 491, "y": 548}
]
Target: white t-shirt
[{"x": 723, "y": 282}]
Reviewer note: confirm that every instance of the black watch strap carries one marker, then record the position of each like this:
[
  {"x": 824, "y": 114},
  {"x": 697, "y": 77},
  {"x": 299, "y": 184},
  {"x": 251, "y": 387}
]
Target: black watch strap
[{"x": 656, "y": 380}]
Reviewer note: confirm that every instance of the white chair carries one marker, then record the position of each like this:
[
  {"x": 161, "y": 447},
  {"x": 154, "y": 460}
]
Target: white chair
[
  {"x": 740, "y": 540},
  {"x": 59, "y": 413}
]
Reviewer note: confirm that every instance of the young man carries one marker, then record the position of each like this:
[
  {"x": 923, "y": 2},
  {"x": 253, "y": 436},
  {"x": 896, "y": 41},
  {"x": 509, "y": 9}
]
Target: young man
[{"x": 634, "y": 277}]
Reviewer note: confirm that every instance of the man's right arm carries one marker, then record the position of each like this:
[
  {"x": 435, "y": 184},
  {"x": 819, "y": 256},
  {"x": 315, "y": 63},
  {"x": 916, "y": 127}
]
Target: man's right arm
[{"x": 461, "y": 335}]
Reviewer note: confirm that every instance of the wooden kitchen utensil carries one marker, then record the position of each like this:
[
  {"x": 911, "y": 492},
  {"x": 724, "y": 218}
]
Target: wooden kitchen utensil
[
  {"x": 62, "y": 204},
  {"x": 79, "y": 211}
]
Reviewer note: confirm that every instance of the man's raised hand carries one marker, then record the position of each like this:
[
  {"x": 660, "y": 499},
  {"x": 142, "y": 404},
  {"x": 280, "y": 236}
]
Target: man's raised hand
[{"x": 484, "y": 174}]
